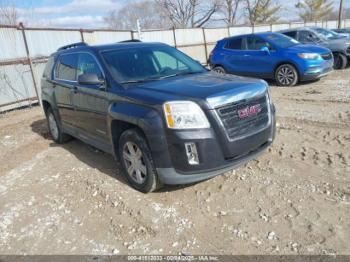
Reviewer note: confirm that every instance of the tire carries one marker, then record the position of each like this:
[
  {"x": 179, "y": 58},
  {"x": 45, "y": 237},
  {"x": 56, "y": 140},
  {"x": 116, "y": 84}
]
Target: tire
[
  {"x": 286, "y": 75},
  {"x": 55, "y": 129},
  {"x": 136, "y": 161},
  {"x": 219, "y": 69},
  {"x": 340, "y": 61}
]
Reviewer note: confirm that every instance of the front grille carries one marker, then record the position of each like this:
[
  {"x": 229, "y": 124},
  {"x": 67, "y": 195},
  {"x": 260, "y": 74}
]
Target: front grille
[
  {"x": 237, "y": 127},
  {"x": 327, "y": 56}
]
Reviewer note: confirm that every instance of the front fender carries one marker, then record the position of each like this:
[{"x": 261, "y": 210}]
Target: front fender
[{"x": 150, "y": 121}]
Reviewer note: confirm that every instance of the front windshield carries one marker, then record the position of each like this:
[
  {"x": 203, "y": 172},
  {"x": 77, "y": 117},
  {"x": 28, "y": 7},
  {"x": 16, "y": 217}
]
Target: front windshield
[
  {"x": 327, "y": 33},
  {"x": 147, "y": 63},
  {"x": 282, "y": 40}
]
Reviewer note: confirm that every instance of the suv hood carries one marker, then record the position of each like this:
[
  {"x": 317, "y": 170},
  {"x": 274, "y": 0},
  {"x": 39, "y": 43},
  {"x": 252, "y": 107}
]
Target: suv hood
[
  {"x": 308, "y": 49},
  {"x": 208, "y": 89}
]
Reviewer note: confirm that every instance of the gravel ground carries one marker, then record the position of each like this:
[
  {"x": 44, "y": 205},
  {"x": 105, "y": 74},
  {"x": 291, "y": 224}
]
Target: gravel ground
[{"x": 294, "y": 199}]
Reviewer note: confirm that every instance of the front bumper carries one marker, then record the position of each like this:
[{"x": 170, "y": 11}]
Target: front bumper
[
  {"x": 170, "y": 176},
  {"x": 212, "y": 154},
  {"x": 317, "y": 71}
]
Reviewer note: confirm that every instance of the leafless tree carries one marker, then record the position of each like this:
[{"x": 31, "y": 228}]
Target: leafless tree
[
  {"x": 262, "y": 11},
  {"x": 229, "y": 10},
  {"x": 150, "y": 14},
  {"x": 189, "y": 13},
  {"x": 8, "y": 13}
]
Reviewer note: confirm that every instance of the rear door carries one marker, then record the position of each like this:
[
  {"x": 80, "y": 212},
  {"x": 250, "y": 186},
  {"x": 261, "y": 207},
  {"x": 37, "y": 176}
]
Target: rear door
[
  {"x": 234, "y": 55},
  {"x": 64, "y": 82},
  {"x": 91, "y": 101}
]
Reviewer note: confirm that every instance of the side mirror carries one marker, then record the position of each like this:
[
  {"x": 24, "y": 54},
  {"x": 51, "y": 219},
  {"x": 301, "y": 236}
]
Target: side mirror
[
  {"x": 265, "y": 49},
  {"x": 90, "y": 79}
]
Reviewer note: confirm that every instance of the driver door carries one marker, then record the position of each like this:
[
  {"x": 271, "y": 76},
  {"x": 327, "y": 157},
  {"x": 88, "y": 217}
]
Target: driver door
[{"x": 91, "y": 101}]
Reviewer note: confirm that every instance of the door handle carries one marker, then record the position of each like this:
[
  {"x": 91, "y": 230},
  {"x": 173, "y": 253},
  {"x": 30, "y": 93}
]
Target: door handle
[
  {"x": 75, "y": 89},
  {"x": 246, "y": 55}
]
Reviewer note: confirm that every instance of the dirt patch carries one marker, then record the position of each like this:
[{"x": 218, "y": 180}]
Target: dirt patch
[{"x": 294, "y": 199}]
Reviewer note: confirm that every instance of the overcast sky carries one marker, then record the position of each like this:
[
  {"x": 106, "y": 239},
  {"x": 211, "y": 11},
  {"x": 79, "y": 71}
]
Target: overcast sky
[{"x": 90, "y": 13}]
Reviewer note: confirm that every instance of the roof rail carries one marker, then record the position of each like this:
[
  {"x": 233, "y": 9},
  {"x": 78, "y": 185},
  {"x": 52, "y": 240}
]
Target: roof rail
[
  {"x": 131, "y": 40},
  {"x": 75, "y": 45}
]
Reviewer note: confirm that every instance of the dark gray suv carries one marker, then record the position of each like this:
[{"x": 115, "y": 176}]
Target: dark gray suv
[
  {"x": 338, "y": 44},
  {"x": 166, "y": 118}
]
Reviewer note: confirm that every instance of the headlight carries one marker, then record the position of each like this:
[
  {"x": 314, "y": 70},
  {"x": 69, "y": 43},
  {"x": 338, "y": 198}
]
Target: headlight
[
  {"x": 309, "y": 56},
  {"x": 184, "y": 115}
]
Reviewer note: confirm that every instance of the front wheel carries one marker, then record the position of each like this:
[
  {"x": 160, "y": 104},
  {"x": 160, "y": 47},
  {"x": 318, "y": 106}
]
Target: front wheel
[
  {"x": 219, "y": 69},
  {"x": 286, "y": 75},
  {"x": 136, "y": 161},
  {"x": 340, "y": 61}
]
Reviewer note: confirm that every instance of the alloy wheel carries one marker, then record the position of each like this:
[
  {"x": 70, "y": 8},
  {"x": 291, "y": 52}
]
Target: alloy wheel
[
  {"x": 53, "y": 126},
  {"x": 285, "y": 75},
  {"x": 134, "y": 162}
]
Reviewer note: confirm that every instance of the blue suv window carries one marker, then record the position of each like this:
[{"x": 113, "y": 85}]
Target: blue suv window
[
  {"x": 66, "y": 68},
  {"x": 256, "y": 43},
  {"x": 235, "y": 44}
]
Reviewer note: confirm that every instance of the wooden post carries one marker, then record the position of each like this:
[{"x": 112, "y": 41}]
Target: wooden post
[
  {"x": 21, "y": 26},
  {"x": 205, "y": 46}
]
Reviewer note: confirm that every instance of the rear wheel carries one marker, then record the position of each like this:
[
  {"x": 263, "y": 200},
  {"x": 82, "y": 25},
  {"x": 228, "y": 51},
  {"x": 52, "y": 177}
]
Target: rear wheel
[
  {"x": 136, "y": 161},
  {"x": 286, "y": 75},
  {"x": 54, "y": 128},
  {"x": 340, "y": 61},
  {"x": 219, "y": 69}
]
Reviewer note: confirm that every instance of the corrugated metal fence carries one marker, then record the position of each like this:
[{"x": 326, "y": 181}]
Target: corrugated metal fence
[{"x": 24, "y": 51}]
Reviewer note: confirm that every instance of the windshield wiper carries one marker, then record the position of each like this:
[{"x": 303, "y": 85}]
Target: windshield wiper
[{"x": 158, "y": 78}]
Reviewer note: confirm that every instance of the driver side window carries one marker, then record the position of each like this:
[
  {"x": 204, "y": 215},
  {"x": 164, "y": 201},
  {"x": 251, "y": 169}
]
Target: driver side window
[
  {"x": 256, "y": 43},
  {"x": 165, "y": 61}
]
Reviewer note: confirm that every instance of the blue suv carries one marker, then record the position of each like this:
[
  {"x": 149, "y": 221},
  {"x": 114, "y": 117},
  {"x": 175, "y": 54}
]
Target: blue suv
[{"x": 271, "y": 56}]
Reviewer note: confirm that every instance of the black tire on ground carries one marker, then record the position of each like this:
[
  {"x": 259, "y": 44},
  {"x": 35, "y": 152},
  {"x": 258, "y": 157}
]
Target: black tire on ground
[
  {"x": 55, "y": 129},
  {"x": 136, "y": 161},
  {"x": 219, "y": 70},
  {"x": 286, "y": 75},
  {"x": 340, "y": 61}
]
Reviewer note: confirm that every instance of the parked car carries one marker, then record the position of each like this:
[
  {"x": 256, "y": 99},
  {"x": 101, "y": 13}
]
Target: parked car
[
  {"x": 343, "y": 31},
  {"x": 271, "y": 56},
  {"x": 163, "y": 115},
  {"x": 340, "y": 46}
]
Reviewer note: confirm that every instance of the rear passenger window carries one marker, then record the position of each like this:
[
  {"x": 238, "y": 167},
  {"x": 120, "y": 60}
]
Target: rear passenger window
[
  {"x": 67, "y": 67},
  {"x": 235, "y": 44},
  {"x": 48, "y": 67},
  {"x": 292, "y": 34}
]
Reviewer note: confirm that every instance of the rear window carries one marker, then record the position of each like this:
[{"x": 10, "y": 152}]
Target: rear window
[
  {"x": 48, "y": 67},
  {"x": 66, "y": 68},
  {"x": 235, "y": 44},
  {"x": 292, "y": 34}
]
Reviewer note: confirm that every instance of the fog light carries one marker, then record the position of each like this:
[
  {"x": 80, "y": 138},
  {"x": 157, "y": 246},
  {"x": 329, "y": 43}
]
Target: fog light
[{"x": 191, "y": 152}]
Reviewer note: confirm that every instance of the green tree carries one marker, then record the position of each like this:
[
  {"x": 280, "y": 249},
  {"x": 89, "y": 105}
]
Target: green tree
[
  {"x": 314, "y": 10},
  {"x": 262, "y": 11}
]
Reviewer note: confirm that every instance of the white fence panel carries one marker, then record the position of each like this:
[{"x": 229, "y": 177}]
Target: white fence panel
[
  {"x": 196, "y": 52},
  {"x": 189, "y": 36},
  {"x": 214, "y": 34},
  {"x": 11, "y": 44},
  {"x": 297, "y": 24},
  {"x": 165, "y": 36},
  {"x": 240, "y": 30},
  {"x": 106, "y": 37},
  {"x": 16, "y": 85},
  {"x": 263, "y": 28},
  {"x": 347, "y": 23},
  {"x": 279, "y": 27},
  {"x": 45, "y": 42},
  {"x": 332, "y": 24}
]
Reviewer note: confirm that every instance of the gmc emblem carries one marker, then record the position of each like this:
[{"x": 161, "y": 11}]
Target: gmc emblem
[{"x": 249, "y": 111}]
